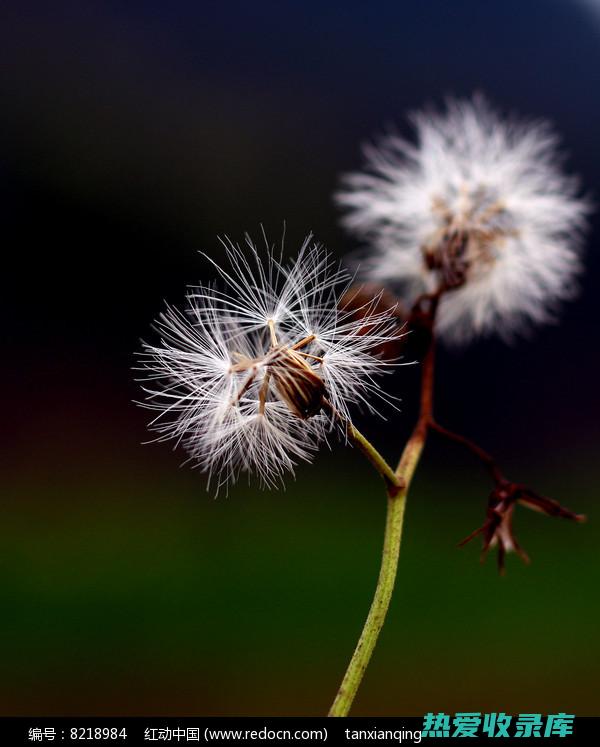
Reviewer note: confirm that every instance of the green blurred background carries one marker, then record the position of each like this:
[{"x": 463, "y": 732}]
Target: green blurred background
[
  {"x": 132, "y": 134},
  {"x": 135, "y": 593}
]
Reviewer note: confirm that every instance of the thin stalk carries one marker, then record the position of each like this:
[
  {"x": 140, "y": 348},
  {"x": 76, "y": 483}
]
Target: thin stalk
[
  {"x": 487, "y": 459},
  {"x": 391, "y": 479},
  {"x": 396, "y": 503}
]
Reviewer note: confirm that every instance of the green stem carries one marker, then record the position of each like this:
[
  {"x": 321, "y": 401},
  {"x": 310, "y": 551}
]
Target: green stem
[
  {"x": 385, "y": 585},
  {"x": 396, "y": 504},
  {"x": 392, "y": 480}
]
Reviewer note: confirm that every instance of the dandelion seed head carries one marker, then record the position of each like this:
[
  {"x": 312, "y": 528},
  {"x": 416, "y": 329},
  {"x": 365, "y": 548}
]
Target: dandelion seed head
[
  {"x": 256, "y": 372},
  {"x": 478, "y": 203}
]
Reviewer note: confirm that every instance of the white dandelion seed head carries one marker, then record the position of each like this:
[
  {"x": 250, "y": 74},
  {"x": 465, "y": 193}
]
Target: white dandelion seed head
[
  {"x": 477, "y": 202},
  {"x": 252, "y": 376}
]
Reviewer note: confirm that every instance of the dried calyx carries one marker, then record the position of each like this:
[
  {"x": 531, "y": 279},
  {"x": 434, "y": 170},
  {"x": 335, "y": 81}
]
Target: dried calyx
[
  {"x": 497, "y": 529},
  {"x": 289, "y": 367}
]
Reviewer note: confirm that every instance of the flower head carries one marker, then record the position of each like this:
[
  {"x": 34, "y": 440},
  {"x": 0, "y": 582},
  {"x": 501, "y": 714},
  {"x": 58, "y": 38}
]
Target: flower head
[
  {"x": 253, "y": 376},
  {"x": 497, "y": 530},
  {"x": 477, "y": 206}
]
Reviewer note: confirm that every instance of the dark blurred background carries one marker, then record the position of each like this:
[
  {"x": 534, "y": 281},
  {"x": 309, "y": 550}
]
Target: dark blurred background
[{"x": 131, "y": 135}]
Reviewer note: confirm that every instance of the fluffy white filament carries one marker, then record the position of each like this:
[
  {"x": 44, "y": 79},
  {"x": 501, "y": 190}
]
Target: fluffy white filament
[
  {"x": 498, "y": 184},
  {"x": 223, "y": 377}
]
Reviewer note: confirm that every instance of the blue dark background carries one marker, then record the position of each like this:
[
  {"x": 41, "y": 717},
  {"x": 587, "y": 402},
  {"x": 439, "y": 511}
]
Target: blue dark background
[{"x": 131, "y": 135}]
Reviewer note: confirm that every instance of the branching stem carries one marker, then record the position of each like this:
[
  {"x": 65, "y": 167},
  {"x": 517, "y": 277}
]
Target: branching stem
[
  {"x": 392, "y": 481},
  {"x": 423, "y": 318},
  {"x": 488, "y": 461},
  {"x": 396, "y": 503}
]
